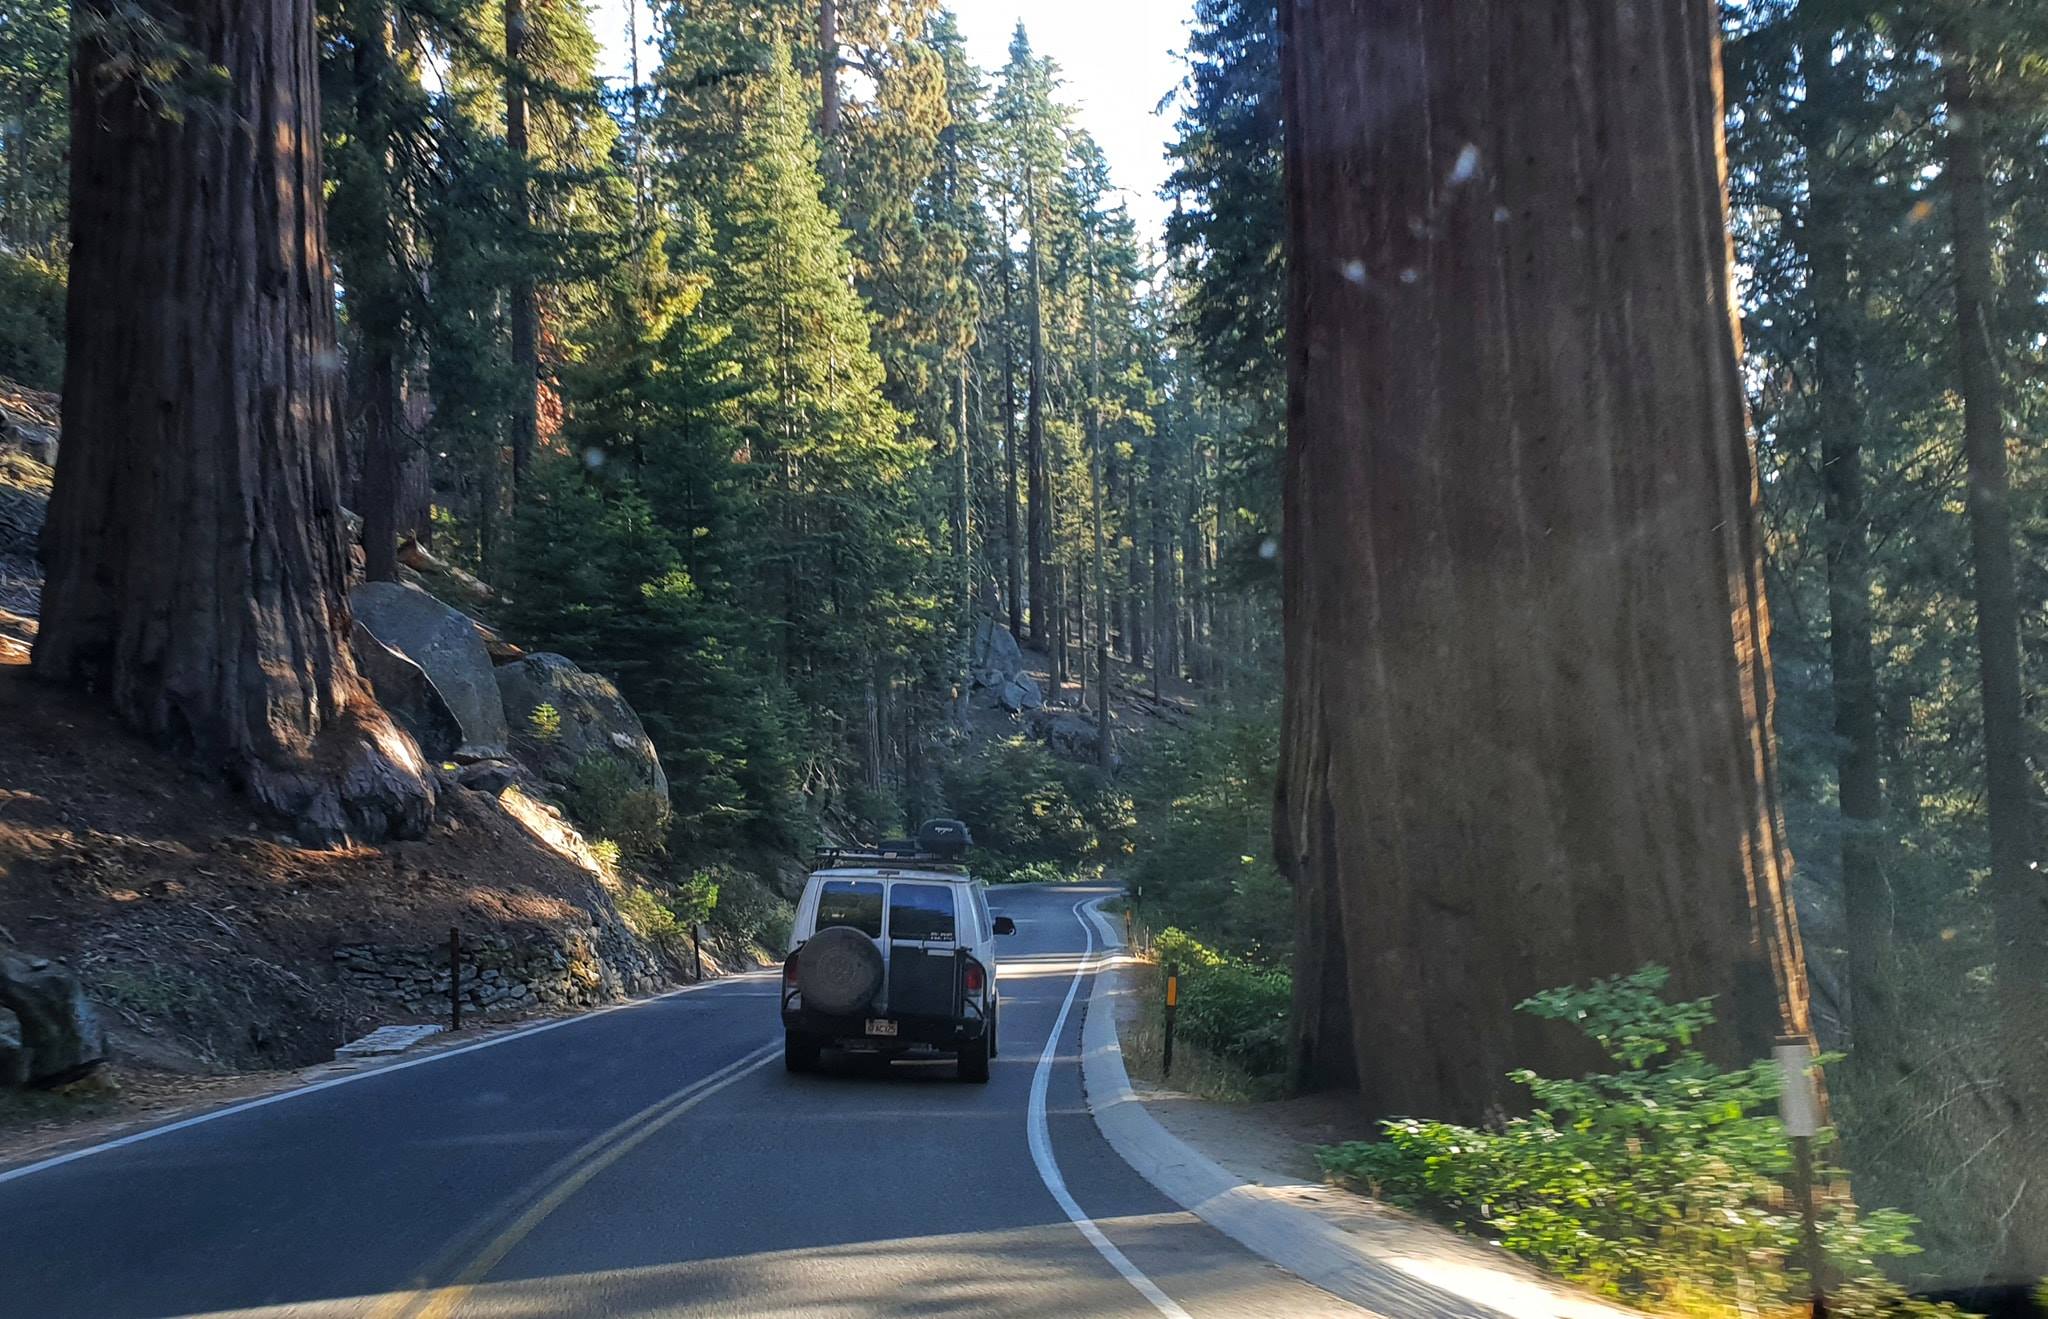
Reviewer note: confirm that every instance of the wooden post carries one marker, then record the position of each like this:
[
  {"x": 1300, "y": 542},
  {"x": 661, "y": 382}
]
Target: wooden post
[
  {"x": 697, "y": 949},
  {"x": 455, "y": 977}
]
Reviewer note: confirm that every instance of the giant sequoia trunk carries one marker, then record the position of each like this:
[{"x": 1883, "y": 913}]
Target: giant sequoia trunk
[
  {"x": 194, "y": 544},
  {"x": 1528, "y": 698}
]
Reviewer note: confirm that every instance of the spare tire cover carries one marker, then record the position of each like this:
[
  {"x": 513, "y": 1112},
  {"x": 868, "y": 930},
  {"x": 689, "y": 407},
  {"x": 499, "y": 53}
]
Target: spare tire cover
[{"x": 839, "y": 970}]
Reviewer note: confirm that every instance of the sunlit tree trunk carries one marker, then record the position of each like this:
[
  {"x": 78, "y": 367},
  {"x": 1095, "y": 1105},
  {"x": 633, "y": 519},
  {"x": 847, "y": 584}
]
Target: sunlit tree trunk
[
  {"x": 1528, "y": 697},
  {"x": 195, "y": 546}
]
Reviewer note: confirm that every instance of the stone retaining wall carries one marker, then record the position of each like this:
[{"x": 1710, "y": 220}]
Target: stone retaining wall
[{"x": 554, "y": 970}]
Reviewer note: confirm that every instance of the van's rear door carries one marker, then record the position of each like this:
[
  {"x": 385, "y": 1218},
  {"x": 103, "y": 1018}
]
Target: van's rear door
[{"x": 923, "y": 934}]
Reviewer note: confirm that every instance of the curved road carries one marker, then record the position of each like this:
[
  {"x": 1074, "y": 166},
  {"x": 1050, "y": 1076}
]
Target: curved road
[{"x": 653, "y": 1160}]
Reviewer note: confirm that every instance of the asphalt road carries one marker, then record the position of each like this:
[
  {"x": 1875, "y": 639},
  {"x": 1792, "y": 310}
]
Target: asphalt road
[{"x": 654, "y": 1160}]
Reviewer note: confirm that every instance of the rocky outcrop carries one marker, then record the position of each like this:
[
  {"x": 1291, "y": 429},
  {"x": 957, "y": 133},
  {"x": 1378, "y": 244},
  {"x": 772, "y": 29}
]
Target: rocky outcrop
[
  {"x": 14, "y": 1057},
  {"x": 1020, "y": 693},
  {"x": 59, "y": 1031},
  {"x": 404, "y": 689},
  {"x": 590, "y": 719},
  {"x": 996, "y": 657},
  {"x": 444, "y": 643}
]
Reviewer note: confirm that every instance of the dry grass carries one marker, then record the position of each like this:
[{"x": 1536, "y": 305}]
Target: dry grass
[{"x": 1195, "y": 1071}]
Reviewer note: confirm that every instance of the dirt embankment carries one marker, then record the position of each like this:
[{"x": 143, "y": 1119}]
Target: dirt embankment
[
  {"x": 221, "y": 955},
  {"x": 210, "y": 941}
]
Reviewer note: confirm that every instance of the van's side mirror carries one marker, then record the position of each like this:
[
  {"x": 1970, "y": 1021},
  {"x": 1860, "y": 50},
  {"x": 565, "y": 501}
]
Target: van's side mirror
[{"x": 1004, "y": 925}]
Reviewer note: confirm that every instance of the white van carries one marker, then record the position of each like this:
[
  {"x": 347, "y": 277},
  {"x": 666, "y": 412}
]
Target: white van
[{"x": 893, "y": 952}]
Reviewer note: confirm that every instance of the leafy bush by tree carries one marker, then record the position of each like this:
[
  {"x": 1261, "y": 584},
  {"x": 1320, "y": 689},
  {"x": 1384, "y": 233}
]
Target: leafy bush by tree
[
  {"x": 1231, "y": 1007},
  {"x": 748, "y": 907},
  {"x": 610, "y": 801},
  {"x": 31, "y": 321},
  {"x": 1661, "y": 1180}
]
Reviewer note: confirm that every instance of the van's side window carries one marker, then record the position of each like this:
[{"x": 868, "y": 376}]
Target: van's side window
[
  {"x": 921, "y": 911},
  {"x": 851, "y": 902},
  {"x": 981, "y": 916}
]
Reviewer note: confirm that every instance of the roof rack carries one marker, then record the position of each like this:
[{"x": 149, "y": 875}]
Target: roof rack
[
  {"x": 883, "y": 854},
  {"x": 941, "y": 844}
]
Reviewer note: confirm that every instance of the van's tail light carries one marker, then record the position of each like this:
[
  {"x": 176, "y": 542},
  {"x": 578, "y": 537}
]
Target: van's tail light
[
  {"x": 974, "y": 979},
  {"x": 789, "y": 972}
]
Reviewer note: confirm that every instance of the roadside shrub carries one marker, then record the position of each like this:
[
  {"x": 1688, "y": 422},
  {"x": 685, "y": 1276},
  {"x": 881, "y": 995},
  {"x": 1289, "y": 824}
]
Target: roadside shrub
[
  {"x": 608, "y": 799},
  {"x": 1228, "y": 1006},
  {"x": 1660, "y": 1181},
  {"x": 749, "y": 909},
  {"x": 31, "y": 321},
  {"x": 697, "y": 897},
  {"x": 652, "y": 918}
]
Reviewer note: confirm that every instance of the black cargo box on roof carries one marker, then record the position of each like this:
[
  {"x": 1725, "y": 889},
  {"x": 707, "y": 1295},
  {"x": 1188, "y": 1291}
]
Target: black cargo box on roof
[{"x": 943, "y": 837}]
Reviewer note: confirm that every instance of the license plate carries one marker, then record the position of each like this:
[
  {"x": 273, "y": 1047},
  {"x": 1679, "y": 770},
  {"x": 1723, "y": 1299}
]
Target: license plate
[{"x": 878, "y": 1026}]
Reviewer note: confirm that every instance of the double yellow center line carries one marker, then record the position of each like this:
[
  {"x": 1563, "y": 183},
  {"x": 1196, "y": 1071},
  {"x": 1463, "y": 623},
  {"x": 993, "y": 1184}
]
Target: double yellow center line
[{"x": 548, "y": 1192}]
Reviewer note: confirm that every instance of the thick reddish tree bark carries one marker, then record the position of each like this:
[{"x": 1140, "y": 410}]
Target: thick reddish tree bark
[
  {"x": 1528, "y": 698},
  {"x": 195, "y": 544}
]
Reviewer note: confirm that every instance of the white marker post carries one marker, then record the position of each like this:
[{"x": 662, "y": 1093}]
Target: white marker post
[{"x": 1799, "y": 1109}]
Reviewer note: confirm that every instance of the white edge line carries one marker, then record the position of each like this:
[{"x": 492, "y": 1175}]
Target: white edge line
[
  {"x": 199, "y": 1119},
  {"x": 1296, "y": 1239},
  {"x": 1048, "y": 1166}
]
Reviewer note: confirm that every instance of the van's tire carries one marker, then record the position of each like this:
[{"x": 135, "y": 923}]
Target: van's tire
[
  {"x": 995, "y": 1019},
  {"x": 839, "y": 971},
  {"x": 974, "y": 1059},
  {"x": 800, "y": 1052}
]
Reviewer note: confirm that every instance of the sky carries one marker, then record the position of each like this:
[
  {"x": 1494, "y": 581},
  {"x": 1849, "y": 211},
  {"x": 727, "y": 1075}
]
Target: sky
[{"x": 1116, "y": 57}]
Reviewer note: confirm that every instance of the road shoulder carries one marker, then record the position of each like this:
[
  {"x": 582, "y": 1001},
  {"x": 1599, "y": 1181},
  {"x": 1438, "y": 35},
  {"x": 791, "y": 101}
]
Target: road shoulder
[{"x": 1352, "y": 1247}]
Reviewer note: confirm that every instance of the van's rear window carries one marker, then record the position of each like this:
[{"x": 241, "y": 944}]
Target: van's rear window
[
  {"x": 851, "y": 902},
  {"x": 920, "y": 911}
]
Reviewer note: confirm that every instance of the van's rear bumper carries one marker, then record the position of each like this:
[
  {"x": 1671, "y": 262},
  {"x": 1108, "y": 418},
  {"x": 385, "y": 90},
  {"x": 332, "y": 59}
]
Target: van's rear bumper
[{"x": 939, "y": 1032}]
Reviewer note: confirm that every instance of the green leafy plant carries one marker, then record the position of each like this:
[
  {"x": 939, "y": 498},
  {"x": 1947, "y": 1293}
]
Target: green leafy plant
[
  {"x": 546, "y": 722},
  {"x": 749, "y": 908},
  {"x": 696, "y": 897},
  {"x": 1661, "y": 1180},
  {"x": 31, "y": 321},
  {"x": 1230, "y": 1007},
  {"x": 609, "y": 799}
]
